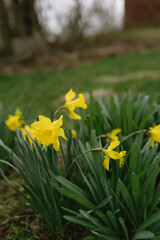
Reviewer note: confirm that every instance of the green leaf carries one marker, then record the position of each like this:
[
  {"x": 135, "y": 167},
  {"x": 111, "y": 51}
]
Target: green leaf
[
  {"x": 91, "y": 219},
  {"x": 9, "y": 164},
  {"x": 102, "y": 236},
  {"x": 113, "y": 221},
  {"x": 124, "y": 227},
  {"x": 136, "y": 190},
  {"x": 77, "y": 197},
  {"x": 128, "y": 200},
  {"x": 148, "y": 187},
  {"x": 79, "y": 221},
  {"x": 143, "y": 235},
  {"x": 134, "y": 158},
  {"x": 149, "y": 221}
]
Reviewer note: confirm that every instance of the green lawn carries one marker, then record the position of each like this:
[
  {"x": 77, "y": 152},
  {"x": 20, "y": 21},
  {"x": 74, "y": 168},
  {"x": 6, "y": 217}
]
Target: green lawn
[{"x": 42, "y": 88}]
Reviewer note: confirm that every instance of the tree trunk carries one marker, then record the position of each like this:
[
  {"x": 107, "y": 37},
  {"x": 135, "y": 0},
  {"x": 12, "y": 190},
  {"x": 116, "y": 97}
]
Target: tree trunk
[
  {"x": 76, "y": 32},
  {"x": 19, "y": 27},
  {"x": 5, "y": 30},
  {"x": 30, "y": 17}
]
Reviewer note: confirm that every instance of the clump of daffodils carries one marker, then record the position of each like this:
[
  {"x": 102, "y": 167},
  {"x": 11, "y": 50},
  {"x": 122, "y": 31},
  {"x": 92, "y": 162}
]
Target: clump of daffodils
[
  {"x": 15, "y": 121},
  {"x": 110, "y": 153},
  {"x": 72, "y": 104},
  {"x": 47, "y": 132}
]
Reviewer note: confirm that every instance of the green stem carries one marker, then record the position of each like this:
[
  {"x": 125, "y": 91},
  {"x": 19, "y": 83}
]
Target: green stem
[
  {"x": 134, "y": 133},
  {"x": 58, "y": 110},
  {"x": 105, "y": 136}
]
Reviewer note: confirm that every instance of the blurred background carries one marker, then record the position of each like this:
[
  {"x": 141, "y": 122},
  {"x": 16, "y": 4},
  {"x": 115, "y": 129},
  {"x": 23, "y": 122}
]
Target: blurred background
[{"x": 49, "y": 46}]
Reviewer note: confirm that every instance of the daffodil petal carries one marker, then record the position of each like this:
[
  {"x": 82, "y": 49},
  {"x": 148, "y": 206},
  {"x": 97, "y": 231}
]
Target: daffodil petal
[
  {"x": 113, "y": 145},
  {"x": 105, "y": 151},
  {"x": 106, "y": 163},
  {"x": 70, "y": 95},
  {"x": 116, "y": 131},
  {"x": 123, "y": 153},
  {"x": 80, "y": 102},
  {"x": 121, "y": 162},
  {"x": 58, "y": 123},
  {"x": 60, "y": 132},
  {"x": 44, "y": 119},
  {"x": 74, "y": 115},
  {"x": 56, "y": 144},
  {"x": 114, "y": 155}
]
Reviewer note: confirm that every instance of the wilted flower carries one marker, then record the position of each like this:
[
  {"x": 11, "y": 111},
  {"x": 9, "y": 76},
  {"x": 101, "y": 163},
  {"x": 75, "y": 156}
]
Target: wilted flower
[
  {"x": 14, "y": 122},
  {"x": 47, "y": 132},
  {"x": 72, "y": 104},
  {"x": 113, "y": 135},
  {"x": 154, "y": 134}
]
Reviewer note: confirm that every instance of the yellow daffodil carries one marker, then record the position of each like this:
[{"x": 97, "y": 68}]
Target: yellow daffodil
[
  {"x": 113, "y": 135},
  {"x": 14, "y": 122},
  {"x": 27, "y": 129},
  {"x": 109, "y": 153},
  {"x": 121, "y": 160},
  {"x": 47, "y": 132},
  {"x": 72, "y": 104},
  {"x": 154, "y": 134},
  {"x": 74, "y": 133}
]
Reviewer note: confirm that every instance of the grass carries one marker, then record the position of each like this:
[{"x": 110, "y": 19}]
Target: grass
[{"x": 42, "y": 89}]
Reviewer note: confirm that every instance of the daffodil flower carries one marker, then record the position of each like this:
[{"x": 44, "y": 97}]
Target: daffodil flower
[
  {"x": 47, "y": 132},
  {"x": 72, "y": 104},
  {"x": 154, "y": 134},
  {"x": 109, "y": 153},
  {"x": 113, "y": 135},
  {"x": 14, "y": 122}
]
